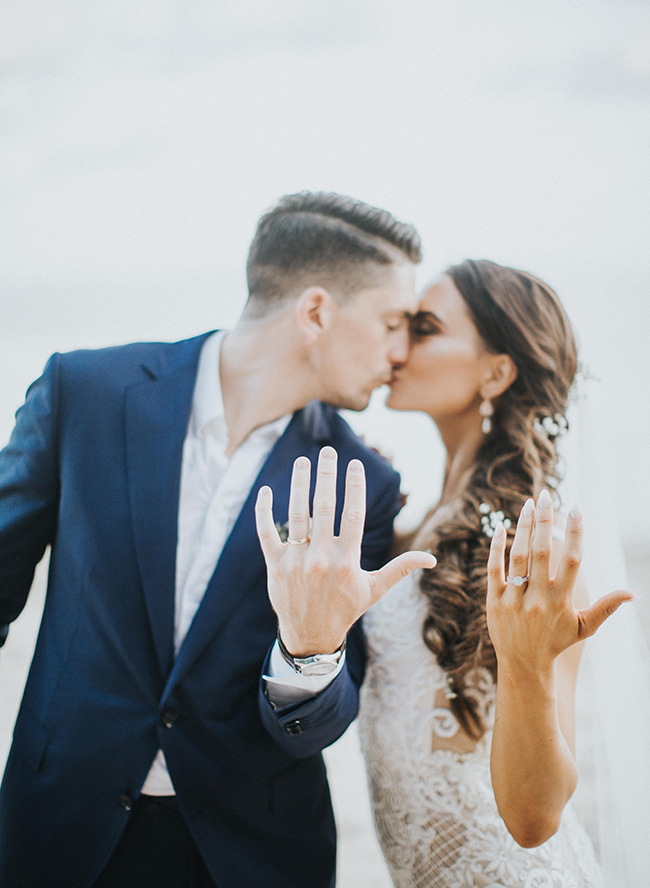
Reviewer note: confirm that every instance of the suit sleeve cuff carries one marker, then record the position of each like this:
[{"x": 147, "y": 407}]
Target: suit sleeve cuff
[{"x": 285, "y": 687}]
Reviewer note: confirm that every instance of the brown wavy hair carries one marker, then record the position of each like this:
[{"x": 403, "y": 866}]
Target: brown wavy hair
[{"x": 518, "y": 315}]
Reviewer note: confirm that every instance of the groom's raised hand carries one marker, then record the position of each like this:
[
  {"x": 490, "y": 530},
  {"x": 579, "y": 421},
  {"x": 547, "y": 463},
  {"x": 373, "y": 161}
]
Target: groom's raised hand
[{"x": 316, "y": 585}]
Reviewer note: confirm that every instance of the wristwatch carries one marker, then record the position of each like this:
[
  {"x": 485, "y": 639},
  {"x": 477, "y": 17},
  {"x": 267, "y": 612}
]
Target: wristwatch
[{"x": 316, "y": 664}]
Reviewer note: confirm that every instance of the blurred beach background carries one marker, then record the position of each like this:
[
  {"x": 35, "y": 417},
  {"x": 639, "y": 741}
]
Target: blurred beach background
[{"x": 140, "y": 142}]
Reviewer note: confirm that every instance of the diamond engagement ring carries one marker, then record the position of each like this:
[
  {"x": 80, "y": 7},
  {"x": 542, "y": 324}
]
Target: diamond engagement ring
[
  {"x": 298, "y": 542},
  {"x": 517, "y": 581}
]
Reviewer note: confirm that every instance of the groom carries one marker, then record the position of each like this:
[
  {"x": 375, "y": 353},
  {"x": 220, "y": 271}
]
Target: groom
[{"x": 149, "y": 749}]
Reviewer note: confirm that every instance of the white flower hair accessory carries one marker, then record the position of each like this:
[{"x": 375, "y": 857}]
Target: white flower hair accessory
[
  {"x": 491, "y": 518},
  {"x": 551, "y": 426}
]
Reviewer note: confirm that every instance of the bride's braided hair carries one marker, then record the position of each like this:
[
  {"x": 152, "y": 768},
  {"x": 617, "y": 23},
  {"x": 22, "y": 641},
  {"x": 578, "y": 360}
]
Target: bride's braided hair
[{"x": 515, "y": 314}]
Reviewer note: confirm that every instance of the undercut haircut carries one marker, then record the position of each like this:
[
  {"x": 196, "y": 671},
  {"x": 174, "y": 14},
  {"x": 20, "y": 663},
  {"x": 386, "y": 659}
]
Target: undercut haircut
[{"x": 322, "y": 239}]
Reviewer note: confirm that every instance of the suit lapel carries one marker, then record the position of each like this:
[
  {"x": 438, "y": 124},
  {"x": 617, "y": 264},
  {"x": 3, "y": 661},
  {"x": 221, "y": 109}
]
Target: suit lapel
[
  {"x": 241, "y": 566},
  {"x": 157, "y": 414}
]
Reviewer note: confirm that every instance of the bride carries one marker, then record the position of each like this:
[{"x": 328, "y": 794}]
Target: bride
[{"x": 471, "y": 779}]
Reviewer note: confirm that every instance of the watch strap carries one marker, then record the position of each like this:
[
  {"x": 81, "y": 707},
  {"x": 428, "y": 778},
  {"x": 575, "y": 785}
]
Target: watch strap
[{"x": 316, "y": 664}]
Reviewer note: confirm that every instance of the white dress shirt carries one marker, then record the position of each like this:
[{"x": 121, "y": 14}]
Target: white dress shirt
[{"x": 213, "y": 490}]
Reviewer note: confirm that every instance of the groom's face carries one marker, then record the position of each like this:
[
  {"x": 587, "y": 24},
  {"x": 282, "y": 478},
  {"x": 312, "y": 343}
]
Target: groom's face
[{"x": 369, "y": 337}]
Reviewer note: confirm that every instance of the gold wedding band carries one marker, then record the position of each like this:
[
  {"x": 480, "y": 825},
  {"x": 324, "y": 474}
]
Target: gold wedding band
[
  {"x": 298, "y": 542},
  {"x": 517, "y": 581}
]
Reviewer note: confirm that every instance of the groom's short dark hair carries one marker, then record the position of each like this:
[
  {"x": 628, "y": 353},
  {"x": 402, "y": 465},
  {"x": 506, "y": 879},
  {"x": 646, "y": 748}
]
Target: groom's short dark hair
[{"x": 322, "y": 239}]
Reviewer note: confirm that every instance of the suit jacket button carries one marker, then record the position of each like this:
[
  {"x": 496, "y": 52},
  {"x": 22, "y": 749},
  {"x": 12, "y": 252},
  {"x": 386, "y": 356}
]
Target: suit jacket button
[
  {"x": 124, "y": 802},
  {"x": 293, "y": 727},
  {"x": 169, "y": 718}
]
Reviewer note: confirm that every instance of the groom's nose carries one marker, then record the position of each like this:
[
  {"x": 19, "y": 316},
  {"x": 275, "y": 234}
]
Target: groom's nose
[{"x": 399, "y": 347}]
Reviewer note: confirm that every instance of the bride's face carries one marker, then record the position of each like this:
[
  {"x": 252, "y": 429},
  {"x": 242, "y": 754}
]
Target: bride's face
[{"x": 448, "y": 361}]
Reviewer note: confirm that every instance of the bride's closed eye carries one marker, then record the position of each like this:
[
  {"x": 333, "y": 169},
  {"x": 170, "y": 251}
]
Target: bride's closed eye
[{"x": 424, "y": 323}]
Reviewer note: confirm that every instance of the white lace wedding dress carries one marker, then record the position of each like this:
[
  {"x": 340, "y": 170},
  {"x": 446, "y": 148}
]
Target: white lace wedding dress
[{"x": 434, "y": 808}]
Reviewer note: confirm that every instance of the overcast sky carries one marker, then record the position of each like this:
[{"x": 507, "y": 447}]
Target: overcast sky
[{"x": 139, "y": 143}]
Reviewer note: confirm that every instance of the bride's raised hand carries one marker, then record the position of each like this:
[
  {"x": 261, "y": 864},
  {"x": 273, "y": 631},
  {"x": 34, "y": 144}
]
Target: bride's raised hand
[
  {"x": 531, "y": 615},
  {"x": 316, "y": 585}
]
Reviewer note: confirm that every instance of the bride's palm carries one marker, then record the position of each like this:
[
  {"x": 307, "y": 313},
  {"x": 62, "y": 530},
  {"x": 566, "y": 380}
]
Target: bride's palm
[{"x": 533, "y": 622}]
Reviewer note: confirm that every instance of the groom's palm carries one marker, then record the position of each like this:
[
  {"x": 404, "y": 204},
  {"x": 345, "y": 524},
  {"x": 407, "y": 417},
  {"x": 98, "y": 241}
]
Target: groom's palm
[{"x": 317, "y": 587}]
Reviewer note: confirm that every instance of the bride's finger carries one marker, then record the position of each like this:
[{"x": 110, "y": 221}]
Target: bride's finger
[
  {"x": 542, "y": 538},
  {"x": 496, "y": 574},
  {"x": 325, "y": 496},
  {"x": 593, "y": 617},
  {"x": 354, "y": 507},
  {"x": 520, "y": 550},
  {"x": 299, "y": 499},
  {"x": 266, "y": 529},
  {"x": 569, "y": 566}
]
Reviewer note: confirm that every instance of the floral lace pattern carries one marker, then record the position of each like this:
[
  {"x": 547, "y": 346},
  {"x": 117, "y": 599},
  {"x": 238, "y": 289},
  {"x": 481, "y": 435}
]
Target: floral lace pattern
[{"x": 434, "y": 809}]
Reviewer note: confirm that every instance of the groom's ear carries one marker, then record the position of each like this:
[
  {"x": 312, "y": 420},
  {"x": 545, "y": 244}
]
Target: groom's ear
[
  {"x": 314, "y": 311},
  {"x": 501, "y": 372}
]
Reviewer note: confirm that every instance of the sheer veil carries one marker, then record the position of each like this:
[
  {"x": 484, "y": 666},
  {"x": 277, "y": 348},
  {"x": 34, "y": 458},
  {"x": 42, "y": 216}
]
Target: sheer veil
[{"x": 613, "y": 695}]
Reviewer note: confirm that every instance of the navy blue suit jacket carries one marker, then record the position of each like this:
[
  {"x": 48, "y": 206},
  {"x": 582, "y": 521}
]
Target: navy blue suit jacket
[{"x": 93, "y": 469}]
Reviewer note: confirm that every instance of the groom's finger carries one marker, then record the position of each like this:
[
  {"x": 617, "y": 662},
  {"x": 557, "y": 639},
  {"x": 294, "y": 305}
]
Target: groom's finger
[
  {"x": 266, "y": 529},
  {"x": 354, "y": 508},
  {"x": 299, "y": 499},
  {"x": 383, "y": 580},
  {"x": 325, "y": 496}
]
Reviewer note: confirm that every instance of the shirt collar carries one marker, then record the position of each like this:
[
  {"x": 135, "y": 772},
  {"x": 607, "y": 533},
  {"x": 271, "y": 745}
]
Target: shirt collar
[{"x": 207, "y": 403}]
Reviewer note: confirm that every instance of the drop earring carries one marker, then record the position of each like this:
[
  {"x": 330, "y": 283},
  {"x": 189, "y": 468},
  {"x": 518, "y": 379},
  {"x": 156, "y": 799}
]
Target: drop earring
[{"x": 486, "y": 410}]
